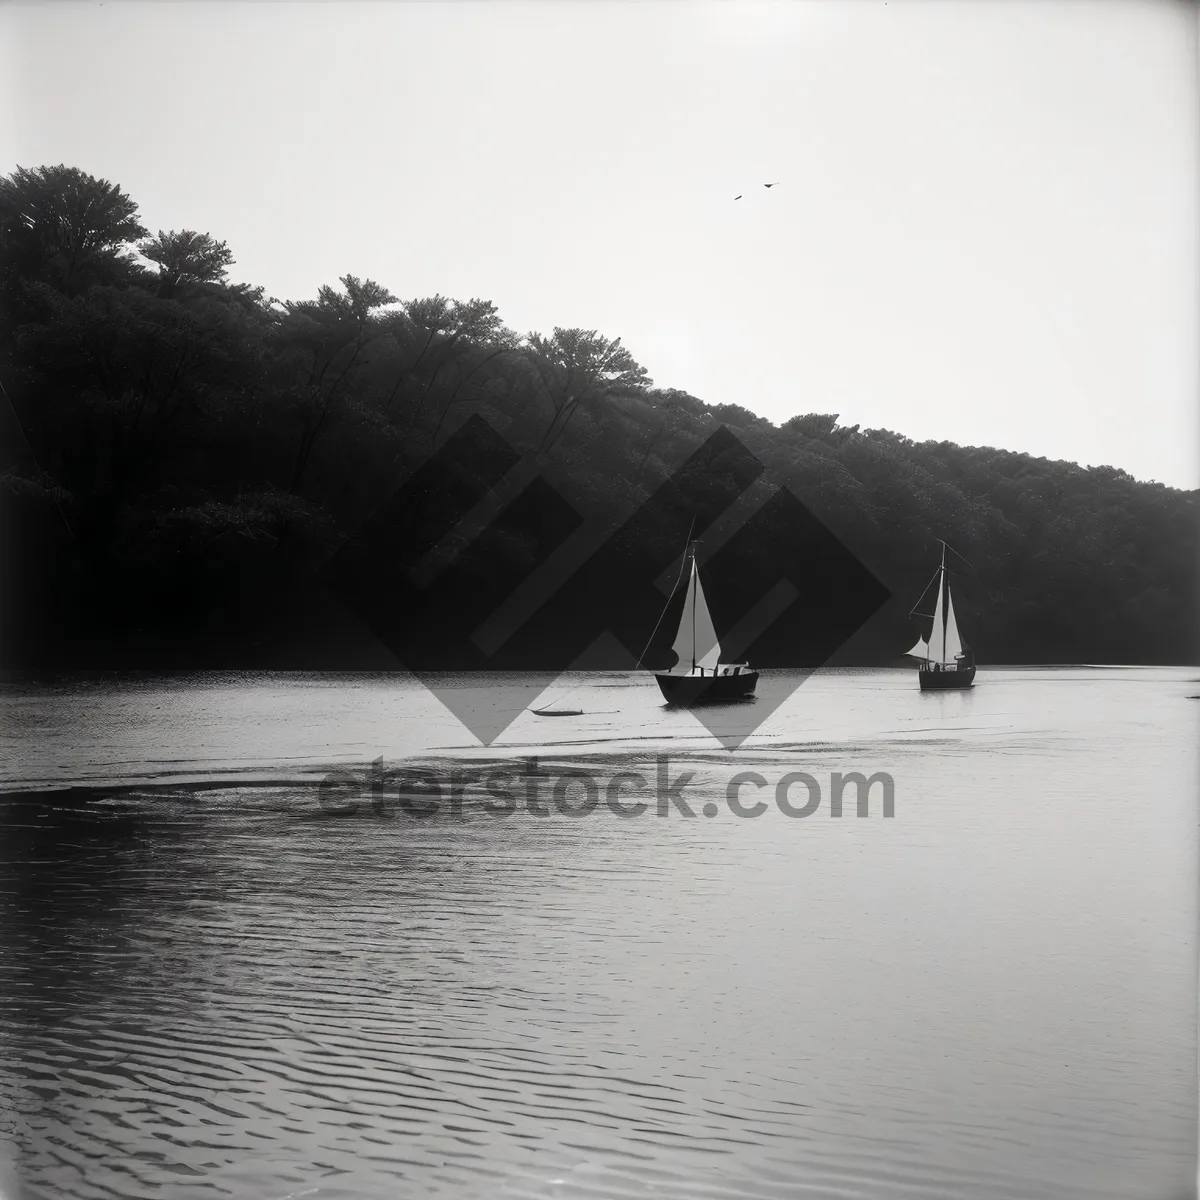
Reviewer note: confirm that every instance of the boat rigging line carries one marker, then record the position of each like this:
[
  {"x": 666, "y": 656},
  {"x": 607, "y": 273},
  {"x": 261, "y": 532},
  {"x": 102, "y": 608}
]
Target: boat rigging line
[{"x": 682, "y": 564}]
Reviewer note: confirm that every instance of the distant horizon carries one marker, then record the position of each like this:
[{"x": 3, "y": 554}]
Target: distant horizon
[{"x": 984, "y": 231}]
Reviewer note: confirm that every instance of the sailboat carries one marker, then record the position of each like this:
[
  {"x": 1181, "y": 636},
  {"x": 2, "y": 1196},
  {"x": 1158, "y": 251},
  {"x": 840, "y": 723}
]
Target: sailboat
[
  {"x": 945, "y": 661},
  {"x": 699, "y": 676}
]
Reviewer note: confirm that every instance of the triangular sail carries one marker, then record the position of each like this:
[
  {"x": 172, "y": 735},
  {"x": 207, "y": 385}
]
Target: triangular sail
[
  {"x": 708, "y": 649},
  {"x": 683, "y": 637},
  {"x": 920, "y": 650},
  {"x": 953, "y": 646},
  {"x": 937, "y": 636},
  {"x": 696, "y": 642}
]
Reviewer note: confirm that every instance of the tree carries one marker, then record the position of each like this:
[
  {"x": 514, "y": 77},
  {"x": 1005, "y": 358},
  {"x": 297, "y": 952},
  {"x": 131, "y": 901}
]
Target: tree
[
  {"x": 113, "y": 375},
  {"x": 474, "y": 337},
  {"x": 819, "y": 426},
  {"x": 331, "y": 334},
  {"x": 186, "y": 257},
  {"x": 445, "y": 331},
  {"x": 578, "y": 365},
  {"x": 66, "y": 227}
]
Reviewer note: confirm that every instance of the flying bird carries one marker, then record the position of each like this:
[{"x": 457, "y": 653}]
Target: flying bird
[
  {"x": 775, "y": 184},
  {"x": 737, "y": 197}
]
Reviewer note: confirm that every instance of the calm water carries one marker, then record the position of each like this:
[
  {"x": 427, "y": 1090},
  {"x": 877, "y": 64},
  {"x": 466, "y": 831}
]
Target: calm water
[{"x": 210, "y": 986}]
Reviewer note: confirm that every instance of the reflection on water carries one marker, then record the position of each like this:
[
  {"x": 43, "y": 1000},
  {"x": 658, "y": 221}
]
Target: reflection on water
[{"x": 230, "y": 992}]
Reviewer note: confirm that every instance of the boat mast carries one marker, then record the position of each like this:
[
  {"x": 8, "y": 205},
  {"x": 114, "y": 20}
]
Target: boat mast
[
  {"x": 695, "y": 589},
  {"x": 944, "y": 597}
]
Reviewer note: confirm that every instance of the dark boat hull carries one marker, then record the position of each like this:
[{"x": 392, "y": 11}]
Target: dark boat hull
[
  {"x": 942, "y": 681},
  {"x": 706, "y": 689}
]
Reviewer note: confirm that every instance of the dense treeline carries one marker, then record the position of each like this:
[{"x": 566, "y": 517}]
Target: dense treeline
[{"x": 183, "y": 453}]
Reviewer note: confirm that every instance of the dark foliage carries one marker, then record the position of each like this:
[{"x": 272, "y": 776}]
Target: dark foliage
[{"x": 186, "y": 456}]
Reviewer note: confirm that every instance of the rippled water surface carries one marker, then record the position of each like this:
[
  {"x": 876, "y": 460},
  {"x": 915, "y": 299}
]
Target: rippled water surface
[{"x": 213, "y": 985}]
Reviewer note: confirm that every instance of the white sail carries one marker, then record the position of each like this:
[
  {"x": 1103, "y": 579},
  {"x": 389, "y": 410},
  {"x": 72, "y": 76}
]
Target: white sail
[
  {"x": 937, "y": 636},
  {"x": 708, "y": 649},
  {"x": 696, "y": 642},
  {"x": 953, "y": 646},
  {"x": 683, "y": 636},
  {"x": 920, "y": 650}
]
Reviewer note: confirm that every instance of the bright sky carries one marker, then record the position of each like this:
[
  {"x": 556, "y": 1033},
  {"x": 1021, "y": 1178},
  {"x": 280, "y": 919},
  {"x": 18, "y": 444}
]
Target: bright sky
[{"x": 986, "y": 229}]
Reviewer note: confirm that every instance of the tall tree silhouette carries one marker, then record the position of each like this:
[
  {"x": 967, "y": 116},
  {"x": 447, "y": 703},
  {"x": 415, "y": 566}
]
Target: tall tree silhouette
[
  {"x": 186, "y": 257},
  {"x": 66, "y": 227}
]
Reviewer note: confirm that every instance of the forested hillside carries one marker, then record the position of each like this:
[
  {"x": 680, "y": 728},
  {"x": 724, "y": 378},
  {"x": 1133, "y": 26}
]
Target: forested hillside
[{"x": 183, "y": 456}]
